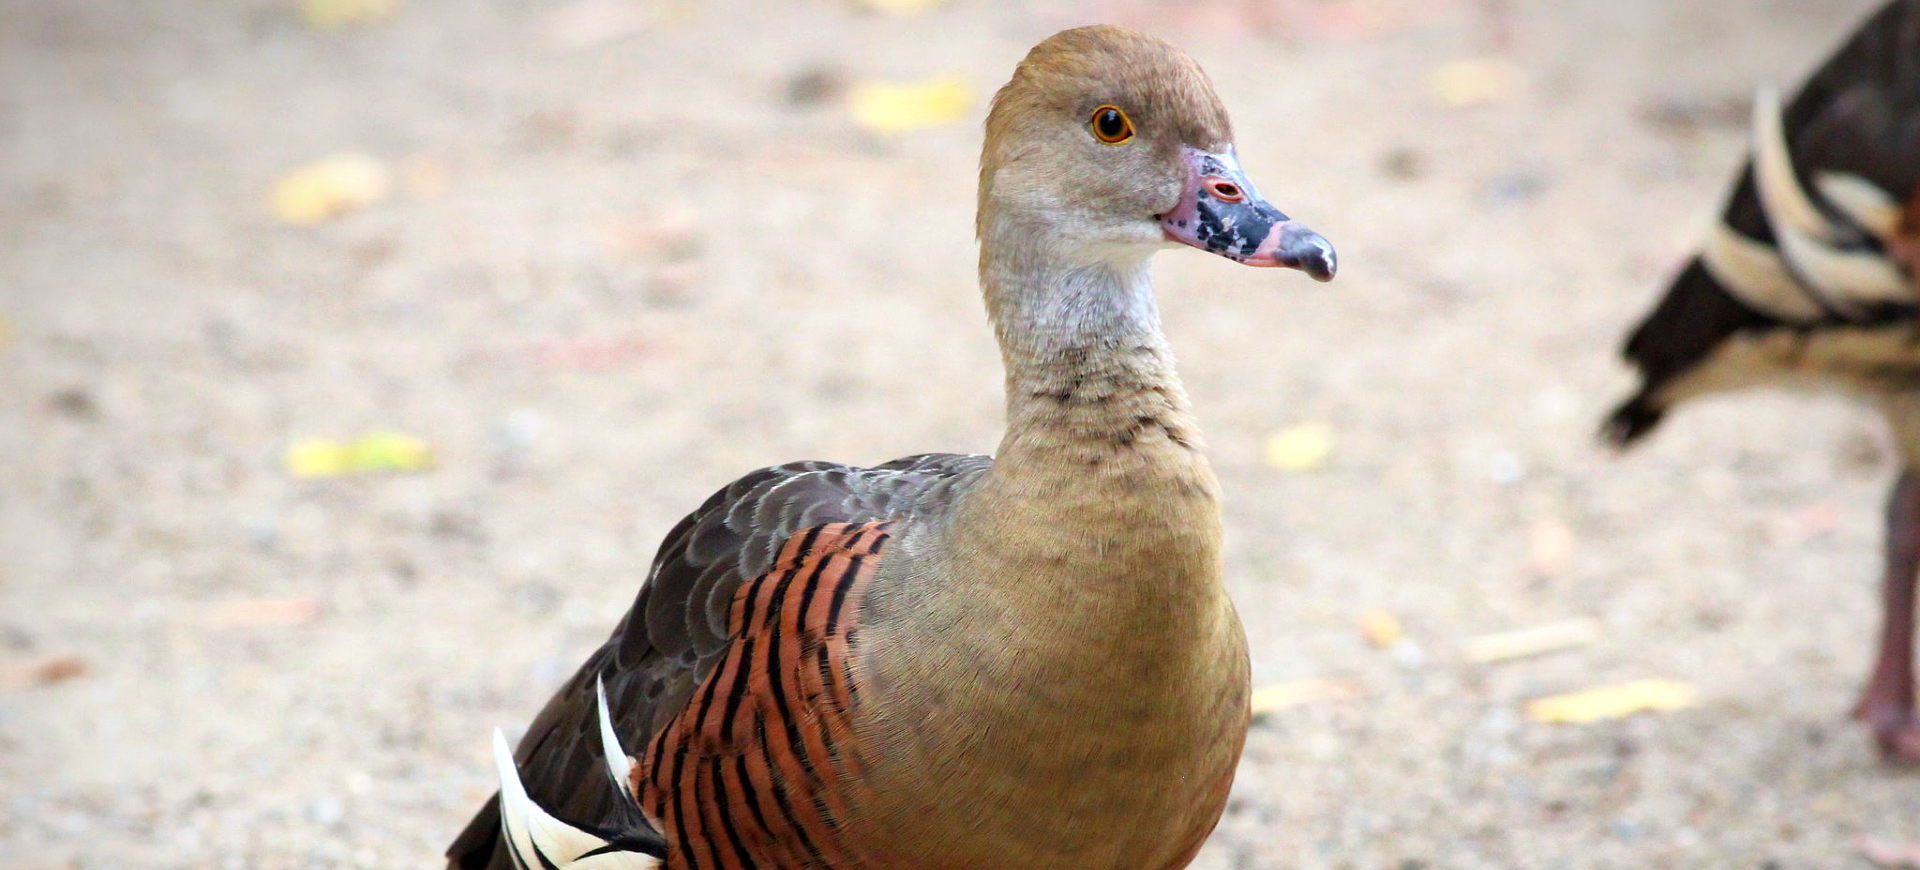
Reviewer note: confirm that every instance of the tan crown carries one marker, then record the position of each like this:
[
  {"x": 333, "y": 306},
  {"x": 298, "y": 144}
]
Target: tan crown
[{"x": 1041, "y": 162}]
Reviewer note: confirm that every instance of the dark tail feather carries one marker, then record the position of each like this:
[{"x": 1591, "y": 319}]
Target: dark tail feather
[
  {"x": 1688, "y": 325},
  {"x": 478, "y": 845},
  {"x": 1635, "y": 417}
]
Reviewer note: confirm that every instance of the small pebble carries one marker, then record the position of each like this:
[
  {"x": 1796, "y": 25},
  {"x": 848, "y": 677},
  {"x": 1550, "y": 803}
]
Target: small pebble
[
  {"x": 1513, "y": 188},
  {"x": 1403, "y": 164},
  {"x": 813, "y": 87},
  {"x": 263, "y": 530},
  {"x": 1408, "y": 654},
  {"x": 325, "y": 810},
  {"x": 1505, "y": 468},
  {"x": 74, "y": 402}
]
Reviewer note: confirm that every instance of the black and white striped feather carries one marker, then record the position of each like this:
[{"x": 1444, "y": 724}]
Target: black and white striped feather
[{"x": 1806, "y": 256}]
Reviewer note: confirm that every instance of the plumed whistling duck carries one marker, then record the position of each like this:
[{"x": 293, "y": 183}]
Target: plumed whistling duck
[
  {"x": 954, "y": 662},
  {"x": 1812, "y": 276}
]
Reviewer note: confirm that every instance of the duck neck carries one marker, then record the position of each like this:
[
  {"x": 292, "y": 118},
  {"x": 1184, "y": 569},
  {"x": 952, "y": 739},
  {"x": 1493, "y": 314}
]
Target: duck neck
[{"x": 1100, "y": 443}]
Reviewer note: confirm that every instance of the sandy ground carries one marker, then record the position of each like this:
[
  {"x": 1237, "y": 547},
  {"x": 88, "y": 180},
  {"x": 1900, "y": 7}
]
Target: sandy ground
[{"x": 614, "y": 276}]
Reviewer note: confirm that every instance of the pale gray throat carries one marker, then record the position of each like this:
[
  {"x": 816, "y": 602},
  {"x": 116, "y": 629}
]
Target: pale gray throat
[
  {"x": 1045, "y": 309},
  {"x": 1084, "y": 354}
]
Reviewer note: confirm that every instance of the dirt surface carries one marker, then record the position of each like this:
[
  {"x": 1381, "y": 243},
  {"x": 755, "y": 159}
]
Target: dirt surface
[{"x": 618, "y": 270}]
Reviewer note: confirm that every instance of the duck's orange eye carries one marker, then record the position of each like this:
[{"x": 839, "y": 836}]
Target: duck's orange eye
[{"x": 1110, "y": 125}]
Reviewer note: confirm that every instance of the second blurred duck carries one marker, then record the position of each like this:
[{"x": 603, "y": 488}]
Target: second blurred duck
[{"x": 1809, "y": 278}]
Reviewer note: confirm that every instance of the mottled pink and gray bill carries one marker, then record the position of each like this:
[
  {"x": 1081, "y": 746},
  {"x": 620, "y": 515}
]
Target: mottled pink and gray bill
[{"x": 1220, "y": 212}]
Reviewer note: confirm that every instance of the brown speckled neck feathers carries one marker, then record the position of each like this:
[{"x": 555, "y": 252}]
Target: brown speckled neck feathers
[{"x": 1093, "y": 401}]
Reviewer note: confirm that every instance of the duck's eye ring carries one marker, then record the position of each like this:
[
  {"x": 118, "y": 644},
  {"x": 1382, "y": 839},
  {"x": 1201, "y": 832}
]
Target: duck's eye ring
[{"x": 1110, "y": 125}]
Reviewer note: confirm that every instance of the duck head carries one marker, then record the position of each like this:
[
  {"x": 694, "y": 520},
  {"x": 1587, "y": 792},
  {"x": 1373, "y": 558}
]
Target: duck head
[{"x": 1108, "y": 145}]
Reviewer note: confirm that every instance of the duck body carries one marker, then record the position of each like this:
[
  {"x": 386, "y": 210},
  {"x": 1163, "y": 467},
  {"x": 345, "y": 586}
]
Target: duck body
[
  {"x": 954, "y": 662},
  {"x": 1113, "y": 750},
  {"x": 1811, "y": 280}
]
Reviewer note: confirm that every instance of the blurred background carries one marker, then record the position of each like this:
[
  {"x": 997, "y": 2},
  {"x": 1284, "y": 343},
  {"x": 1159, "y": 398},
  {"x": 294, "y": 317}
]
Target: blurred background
[{"x": 356, "y": 354}]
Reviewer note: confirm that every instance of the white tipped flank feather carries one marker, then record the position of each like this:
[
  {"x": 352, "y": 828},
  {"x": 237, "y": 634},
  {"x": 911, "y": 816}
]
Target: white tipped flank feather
[
  {"x": 1754, "y": 272},
  {"x": 1862, "y": 201},
  {"x": 537, "y": 839},
  {"x": 619, "y": 764},
  {"x": 1786, "y": 204},
  {"x": 1843, "y": 278}
]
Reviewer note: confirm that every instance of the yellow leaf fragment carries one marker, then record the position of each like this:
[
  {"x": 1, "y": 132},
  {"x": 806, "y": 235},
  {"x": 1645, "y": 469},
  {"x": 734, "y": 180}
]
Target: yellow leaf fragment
[
  {"x": 1380, "y": 628},
  {"x": 316, "y": 457},
  {"x": 1476, "y": 81},
  {"x": 883, "y": 107},
  {"x": 1612, "y": 702},
  {"x": 332, "y": 14},
  {"x": 389, "y": 451},
  {"x": 1533, "y": 641},
  {"x": 371, "y": 453},
  {"x": 329, "y": 187},
  {"x": 899, "y": 8},
  {"x": 1302, "y": 447},
  {"x": 1275, "y": 697}
]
